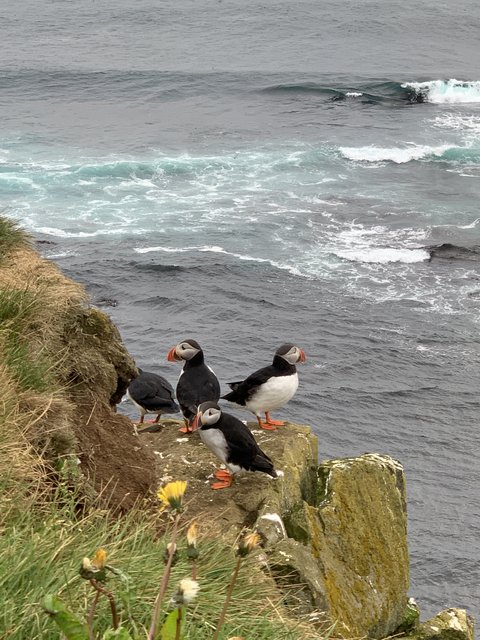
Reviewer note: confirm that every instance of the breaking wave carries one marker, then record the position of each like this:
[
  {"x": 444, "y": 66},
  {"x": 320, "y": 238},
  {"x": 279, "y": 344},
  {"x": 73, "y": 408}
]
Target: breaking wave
[
  {"x": 400, "y": 155},
  {"x": 444, "y": 91}
]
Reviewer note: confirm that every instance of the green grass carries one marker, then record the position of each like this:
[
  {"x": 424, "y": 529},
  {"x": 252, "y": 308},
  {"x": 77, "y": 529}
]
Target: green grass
[
  {"x": 10, "y": 236},
  {"x": 41, "y": 551},
  {"x": 30, "y": 373},
  {"x": 17, "y": 311}
]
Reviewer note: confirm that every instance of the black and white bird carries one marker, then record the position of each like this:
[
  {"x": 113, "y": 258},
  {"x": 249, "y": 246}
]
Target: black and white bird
[
  {"x": 151, "y": 393},
  {"x": 269, "y": 388},
  {"x": 232, "y": 442},
  {"x": 197, "y": 382}
]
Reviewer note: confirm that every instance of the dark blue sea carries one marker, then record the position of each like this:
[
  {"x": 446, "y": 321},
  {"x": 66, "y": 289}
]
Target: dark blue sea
[{"x": 249, "y": 174}]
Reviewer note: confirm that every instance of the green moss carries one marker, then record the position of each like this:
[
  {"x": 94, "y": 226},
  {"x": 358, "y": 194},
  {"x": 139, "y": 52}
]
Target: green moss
[
  {"x": 410, "y": 620},
  {"x": 96, "y": 323},
  {"x": 296, "y": 524}
]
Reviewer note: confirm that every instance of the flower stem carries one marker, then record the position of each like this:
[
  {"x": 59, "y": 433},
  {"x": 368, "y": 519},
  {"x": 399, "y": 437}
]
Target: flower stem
[
  {"x": 109, "y": 595},
  {"x": 91, "y": 613},
  {"x": 194, "y": 569},
  {"x": 179, "y": 623},
  {"x": 164, "y": 582},
  {"x": 228, "y": 598}
]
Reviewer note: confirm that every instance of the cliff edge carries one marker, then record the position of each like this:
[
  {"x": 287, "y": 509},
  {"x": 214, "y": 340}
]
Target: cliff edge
[{"x": 334, "y": 534}]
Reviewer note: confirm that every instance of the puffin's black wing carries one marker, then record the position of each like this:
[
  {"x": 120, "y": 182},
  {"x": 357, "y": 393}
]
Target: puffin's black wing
[
  {"x": 243, "y": 449},
  {"x": 152, "y": 392},
  {"x": 243, "y": 391}
]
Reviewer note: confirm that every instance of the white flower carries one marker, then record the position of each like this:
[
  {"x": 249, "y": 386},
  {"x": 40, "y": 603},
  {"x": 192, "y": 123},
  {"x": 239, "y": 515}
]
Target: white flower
[{"x": 189, "y": 589}]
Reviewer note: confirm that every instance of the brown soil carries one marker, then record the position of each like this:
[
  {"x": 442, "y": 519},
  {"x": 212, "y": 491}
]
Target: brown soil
[{"x": 121, "y": 469}]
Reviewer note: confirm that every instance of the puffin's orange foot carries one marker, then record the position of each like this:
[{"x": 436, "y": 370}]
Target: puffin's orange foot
[
  {"x": 185, "y": 430},
  {"x": 223, "y": 484},
  {"x": 221, "y": 474},
  {"x": 274, "y": 423},
  {"x": 268, "y": 426}
]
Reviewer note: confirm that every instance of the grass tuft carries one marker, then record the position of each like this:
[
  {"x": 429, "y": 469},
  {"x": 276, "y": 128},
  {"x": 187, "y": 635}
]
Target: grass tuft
[
  {"x": 11, "y": 236},
  {"x": 41, "y": 550}
]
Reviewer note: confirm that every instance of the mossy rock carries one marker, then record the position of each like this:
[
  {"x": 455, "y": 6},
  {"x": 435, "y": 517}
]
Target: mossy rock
[
  {"x": 298, "y": 576},
  {"x": 450, "y": 624},
  {"x": 411, "y": 618},
  {"x": 353, "y": 546}
]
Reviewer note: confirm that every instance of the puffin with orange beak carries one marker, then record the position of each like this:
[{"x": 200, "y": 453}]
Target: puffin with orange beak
[
  {"x": 197, "y": 382},
  {"x": 232, "y": 442},
  {"x": 269, "y": 388}
]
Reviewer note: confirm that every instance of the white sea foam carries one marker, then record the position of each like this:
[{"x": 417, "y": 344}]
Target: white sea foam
[
  {"x": 458, "y": 122},
  {"x": 384, "y": 255},
  {"x": 215, "y": 249},
  {"x": 61, "y": 233},
  {"x": 354, "y": 94},
  {"x": 447, "y": 91},
  {"x": 399, "y": 155}
]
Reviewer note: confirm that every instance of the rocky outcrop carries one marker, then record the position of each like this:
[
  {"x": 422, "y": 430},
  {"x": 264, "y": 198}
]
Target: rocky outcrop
[
  {"x": 334, "y": 535},
  {"x": 451, "y": 624},
  {"x": 355, "y": 537}
]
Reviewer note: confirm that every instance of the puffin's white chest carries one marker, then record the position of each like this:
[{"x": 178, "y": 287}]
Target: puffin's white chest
[
  {"x": 273, "y": 393},
  {"x": 215, "y": 441}
]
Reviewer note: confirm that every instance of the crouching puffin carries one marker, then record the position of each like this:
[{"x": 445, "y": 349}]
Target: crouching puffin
[
  {"x": 197, "y": 382},
  {"x": 269, "y": 388},
  {"x": 151, "y": 393},
  {"x": 232, "y": 442}
]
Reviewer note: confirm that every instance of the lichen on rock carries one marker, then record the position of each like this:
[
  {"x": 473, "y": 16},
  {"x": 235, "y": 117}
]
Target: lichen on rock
[{"x": 450, "y": 624}]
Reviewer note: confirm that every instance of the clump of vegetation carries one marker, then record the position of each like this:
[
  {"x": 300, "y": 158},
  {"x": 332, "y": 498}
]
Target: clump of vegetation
[
  {"x": 41, "y": 550},
  {"x": 11, "y": 236}
]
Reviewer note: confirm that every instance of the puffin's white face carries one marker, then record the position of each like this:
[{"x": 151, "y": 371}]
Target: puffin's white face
[
  {"x": 186, "y": 351},
  {"x": 294, "y": 355},
  {"x": 210, "y": 414}
]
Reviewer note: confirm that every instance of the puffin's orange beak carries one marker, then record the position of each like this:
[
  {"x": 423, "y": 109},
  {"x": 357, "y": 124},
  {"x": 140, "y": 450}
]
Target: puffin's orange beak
[
  {"x": 195, "y": 422},
  {"x": 303, "y": 357},
  {"x": 172, "y": 355}
]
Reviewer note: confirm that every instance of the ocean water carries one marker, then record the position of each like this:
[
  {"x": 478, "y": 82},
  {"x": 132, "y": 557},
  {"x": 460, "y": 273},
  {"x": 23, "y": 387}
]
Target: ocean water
[{"x": 249, "y": 174}]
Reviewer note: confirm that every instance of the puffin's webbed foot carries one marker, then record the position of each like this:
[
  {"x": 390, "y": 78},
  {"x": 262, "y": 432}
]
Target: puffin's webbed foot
[{"x": 225, "y": 479}]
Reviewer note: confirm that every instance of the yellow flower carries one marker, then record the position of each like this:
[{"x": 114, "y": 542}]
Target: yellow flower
[
  {"x": 100, "y": 558},
  {"x": 171, "y": 495},
  {"x": 192, "y": 535},
  {"x": 248, "y": 543},
  {"x": 94, "y": 568}
]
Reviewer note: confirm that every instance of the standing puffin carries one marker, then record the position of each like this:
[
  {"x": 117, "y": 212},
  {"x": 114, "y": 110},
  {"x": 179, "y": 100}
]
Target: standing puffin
[
  {"x": 269, "y": 388},
  {"x": 151, "y": 393},
  {"x": 232, "y": 442},
  {"x": 197, "y": 382}
]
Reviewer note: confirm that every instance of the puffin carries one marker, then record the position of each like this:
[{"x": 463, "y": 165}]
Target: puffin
[
  {"x": 197, "y": 382},
  {"x": 269, "y": 388},
  {"x": 232, "y": 442},
  {"x": 151, "y": 393}
]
